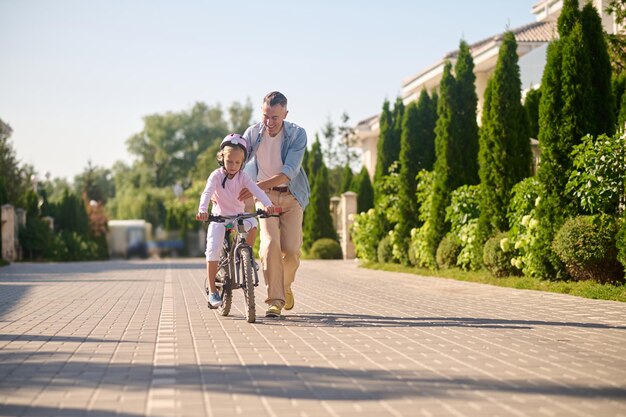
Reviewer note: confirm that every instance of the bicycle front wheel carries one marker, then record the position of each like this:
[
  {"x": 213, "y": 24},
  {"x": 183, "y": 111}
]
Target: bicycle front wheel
[
  {"x": 247, "y": 273},
  {"x": 225, "y": 288}
]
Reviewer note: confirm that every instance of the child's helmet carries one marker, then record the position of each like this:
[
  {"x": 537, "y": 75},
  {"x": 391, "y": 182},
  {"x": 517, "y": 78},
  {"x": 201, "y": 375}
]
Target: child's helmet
[{"x": 235, "y": 140}]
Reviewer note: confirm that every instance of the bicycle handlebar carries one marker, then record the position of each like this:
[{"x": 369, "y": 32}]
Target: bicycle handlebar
[{"x": 259, "y": 213}]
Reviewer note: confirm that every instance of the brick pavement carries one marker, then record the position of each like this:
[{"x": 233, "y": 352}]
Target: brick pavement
[{"x": 135, "y": 338}]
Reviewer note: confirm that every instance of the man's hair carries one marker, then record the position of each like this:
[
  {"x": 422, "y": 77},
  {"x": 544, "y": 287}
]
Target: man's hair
[{"x": 275, "y": 98}]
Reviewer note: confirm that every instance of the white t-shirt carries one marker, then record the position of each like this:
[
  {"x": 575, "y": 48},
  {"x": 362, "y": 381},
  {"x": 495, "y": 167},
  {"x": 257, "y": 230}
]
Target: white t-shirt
[{"x": 268, "y": 156}]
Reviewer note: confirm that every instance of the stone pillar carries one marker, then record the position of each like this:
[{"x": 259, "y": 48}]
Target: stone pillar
[
  {"x": 335, "y": 212},
  {"x": 347, "y": 211},
  {"x": 9, "y": 227},
  {"x": 20, "y": 216}
]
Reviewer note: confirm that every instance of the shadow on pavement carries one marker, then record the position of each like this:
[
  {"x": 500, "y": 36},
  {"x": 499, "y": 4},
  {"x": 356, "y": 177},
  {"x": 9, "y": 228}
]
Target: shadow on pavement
[
  {"x": 20, "y": 410},
  {"x": 283, "y": 381},
  {"x": 366, "y": 320}
]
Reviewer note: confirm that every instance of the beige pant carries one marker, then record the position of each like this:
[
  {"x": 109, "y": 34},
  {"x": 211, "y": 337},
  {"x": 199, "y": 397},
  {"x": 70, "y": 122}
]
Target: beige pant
[{"x": 281, "y": 240}]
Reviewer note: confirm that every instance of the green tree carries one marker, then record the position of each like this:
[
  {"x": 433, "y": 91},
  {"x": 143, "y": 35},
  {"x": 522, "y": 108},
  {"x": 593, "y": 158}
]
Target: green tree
[
  {"x": 12, "y": 183},
  {"x": 564, "y": 118},
  {"x": 465, "y": 115},
  {"x": 617, "y": 41},
  {"x": 385, "y": 143},
  {"x": 398, "y": 121},
  {"x": 240, "y": 116},
  {"x": 316, "y": 160},
  {"x": 424, "y": 157},
  {"x": 346, "y": 179},
  {"x": 362, "y": 186},
  {"x": 601, "y": 101},
  {"x": 339, "y": 145},
  {"x": 96, "y": 183},
  {"x": 170, "y": 143},
  {"x": 407, "y": 204},
  {"x": 318, "y": 222},
  {"x": 35, "y": 237},
  {"x": 71, "y": 215},
  {"x": 531, "y": 107},
  {"x": 504, "y": 156},
  {"x": 448, "y": 157}
]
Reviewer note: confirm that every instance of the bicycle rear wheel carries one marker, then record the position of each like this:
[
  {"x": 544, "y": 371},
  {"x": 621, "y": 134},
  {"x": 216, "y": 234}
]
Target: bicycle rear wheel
[{"x": 247, "y": 274}]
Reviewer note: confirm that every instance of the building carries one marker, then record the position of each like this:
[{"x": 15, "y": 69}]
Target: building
[{"x": 532, "y": 40}]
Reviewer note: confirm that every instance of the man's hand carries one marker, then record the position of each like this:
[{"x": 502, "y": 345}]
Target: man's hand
[
  {"x": 244, "y": 194},
  {"x": 202, "y": 216}
]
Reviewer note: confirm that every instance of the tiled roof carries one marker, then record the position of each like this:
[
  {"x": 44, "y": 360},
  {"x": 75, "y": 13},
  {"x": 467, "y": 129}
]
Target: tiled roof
[{"x": 531, "y": 33}]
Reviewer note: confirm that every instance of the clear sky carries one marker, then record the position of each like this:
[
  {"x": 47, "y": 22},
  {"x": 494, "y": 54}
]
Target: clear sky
[{"x": 77, "y": 77}]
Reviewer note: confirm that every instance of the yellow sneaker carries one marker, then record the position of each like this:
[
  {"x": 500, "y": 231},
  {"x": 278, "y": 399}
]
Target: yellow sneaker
[
  {"x": 273, "y": 311},
  {"x": 289, "y": 300}
]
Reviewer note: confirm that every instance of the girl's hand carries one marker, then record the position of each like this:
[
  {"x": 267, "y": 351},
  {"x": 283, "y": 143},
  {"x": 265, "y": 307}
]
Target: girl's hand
[
  {"x": 202, "y": 216},
  {"x": 270, "y": 210}
]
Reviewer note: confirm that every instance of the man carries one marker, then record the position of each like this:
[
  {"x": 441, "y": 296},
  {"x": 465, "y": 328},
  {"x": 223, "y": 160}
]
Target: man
[{"x": 276, "y": 151}]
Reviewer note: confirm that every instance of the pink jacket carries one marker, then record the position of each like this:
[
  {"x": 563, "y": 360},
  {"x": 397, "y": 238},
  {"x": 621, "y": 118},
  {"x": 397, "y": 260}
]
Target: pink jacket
[{"x": 225, "y": 197}]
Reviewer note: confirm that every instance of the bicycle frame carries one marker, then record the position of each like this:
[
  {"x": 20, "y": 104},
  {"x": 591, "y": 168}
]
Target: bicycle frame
[{"x": 233, "y": 246}]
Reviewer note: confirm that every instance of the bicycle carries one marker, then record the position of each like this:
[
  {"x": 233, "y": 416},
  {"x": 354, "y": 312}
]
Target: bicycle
[{"x": 236, "y": 267}]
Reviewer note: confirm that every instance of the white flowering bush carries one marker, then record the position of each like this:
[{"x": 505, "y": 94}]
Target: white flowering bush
[
  {"x": 522, "y": 216},
  {"x": 364, "y": 233}
]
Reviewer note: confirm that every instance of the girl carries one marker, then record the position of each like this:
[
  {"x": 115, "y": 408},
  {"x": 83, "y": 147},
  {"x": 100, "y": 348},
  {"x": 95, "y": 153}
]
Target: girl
[{"x": 223, "y": 188}]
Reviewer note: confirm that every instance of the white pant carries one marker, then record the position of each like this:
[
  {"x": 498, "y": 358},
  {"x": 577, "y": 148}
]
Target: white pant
[{"x": 215, "y": 236}]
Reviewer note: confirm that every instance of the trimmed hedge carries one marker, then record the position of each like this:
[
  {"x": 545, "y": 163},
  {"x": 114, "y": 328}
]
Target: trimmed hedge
[
  {"x": 326, "y": 249},
  {"x": 497, "y": 256},
  {"x": 587, "y": 247},
  {"x": 448, "y": 251},
  {"x": 385, "y": 250}
]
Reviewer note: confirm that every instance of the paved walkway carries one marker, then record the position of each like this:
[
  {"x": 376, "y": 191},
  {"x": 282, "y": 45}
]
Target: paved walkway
[{"x": 135, "y": 338}]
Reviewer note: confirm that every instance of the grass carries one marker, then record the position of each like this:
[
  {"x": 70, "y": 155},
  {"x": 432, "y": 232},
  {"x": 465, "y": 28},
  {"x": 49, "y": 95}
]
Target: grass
[{"x": 586, "y": 289}]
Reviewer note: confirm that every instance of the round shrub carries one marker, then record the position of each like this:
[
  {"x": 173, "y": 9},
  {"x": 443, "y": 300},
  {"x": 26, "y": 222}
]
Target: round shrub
[
  {"x": 385, "y": 250},
  {"x": 497, "y": 256},
  {"x": 448, "y": 251},
  {"x": 326, "y": 249},
  {"x": 586, "y": 245}
]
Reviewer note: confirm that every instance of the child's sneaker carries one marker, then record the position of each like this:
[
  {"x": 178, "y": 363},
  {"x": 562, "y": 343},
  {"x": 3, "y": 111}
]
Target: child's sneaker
[{"x": 214, "y": 299}]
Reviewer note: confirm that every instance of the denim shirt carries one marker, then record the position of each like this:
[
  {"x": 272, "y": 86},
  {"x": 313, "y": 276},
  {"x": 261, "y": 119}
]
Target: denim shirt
[{"x": 292, "y": 153}]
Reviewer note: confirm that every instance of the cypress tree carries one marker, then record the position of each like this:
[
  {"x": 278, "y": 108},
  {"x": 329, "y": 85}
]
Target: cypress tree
[
  {"x": 504, "y": 155},
  {"x": 570, "y": 15},
  {"x": 346, "y": 179},
  {"x": 385, "y": 141},
  {"x": 425, "y": 132},
  {"x": 602, "y": 102},
  {"x": 531, "y": 107},
  {"x": 362, "y": 186},
  {"x": 318, "y": 223},
  {"x": 446, "y": 158},
  {"x": 466, "y": 116},
  {"x": 621, "y": 118},
  {"x": 72, "y": 216},
  {"x": 314, "y": 162},
  {"x": 315, "y": 159},
  {"x": 398, "y": 120},
  {"x": 409, "y": 154},
  {"x": 564, "y": 118},
  {"x": 618, "y": 85}
]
